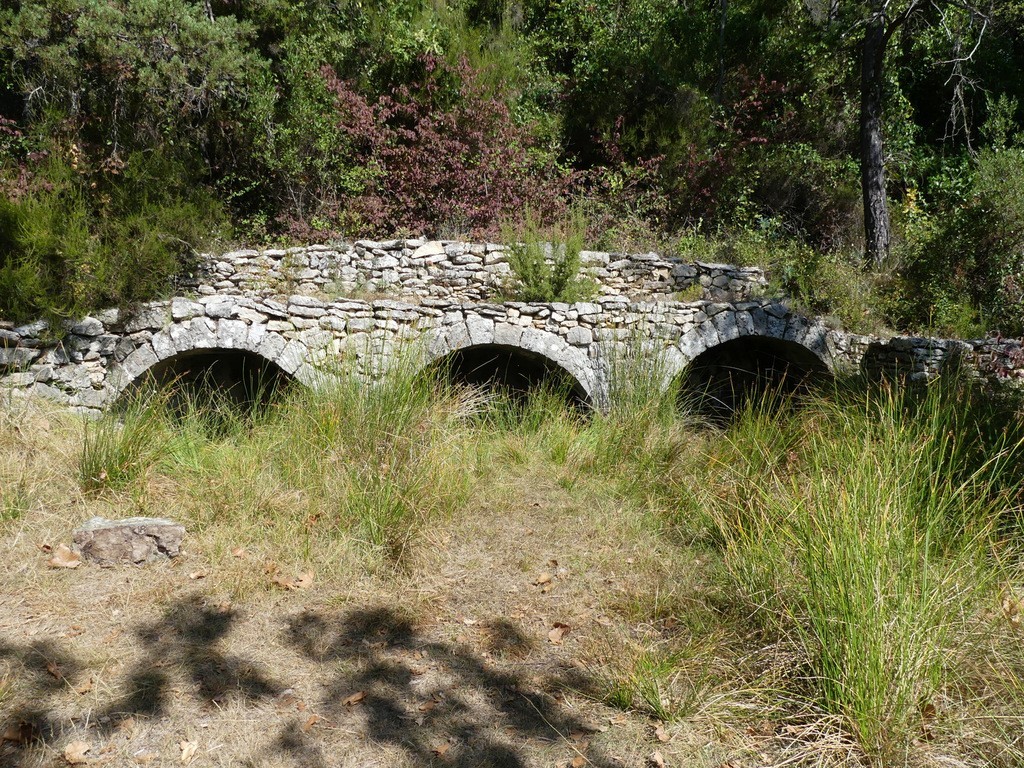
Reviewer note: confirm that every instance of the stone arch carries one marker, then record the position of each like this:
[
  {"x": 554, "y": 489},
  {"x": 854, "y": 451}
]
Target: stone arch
[
  {"x": 514, "y": 352},
  {"x": 231, "y": 352},
  {"x": 746, "y": 352}
]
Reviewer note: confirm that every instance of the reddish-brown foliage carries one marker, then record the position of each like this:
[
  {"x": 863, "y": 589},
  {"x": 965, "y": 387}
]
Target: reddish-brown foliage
[{"x": 444, "y": 156}]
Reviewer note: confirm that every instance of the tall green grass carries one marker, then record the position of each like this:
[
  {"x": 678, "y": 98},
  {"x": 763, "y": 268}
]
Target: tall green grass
[
  {"x": 643, "y": 431},
  {"x": 859, "y": 528},
  {"x": 365, "y": 460},
  {"x": 384, "y": 457},
  {"x": 119, "y": 447}
]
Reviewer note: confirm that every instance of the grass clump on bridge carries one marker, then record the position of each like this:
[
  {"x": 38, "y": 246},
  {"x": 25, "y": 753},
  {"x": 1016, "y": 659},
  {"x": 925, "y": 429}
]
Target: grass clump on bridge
[{"x": 546, "y": 264}]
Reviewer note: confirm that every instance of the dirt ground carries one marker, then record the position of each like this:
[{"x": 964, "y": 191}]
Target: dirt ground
[{"x": 491, "y": 646}]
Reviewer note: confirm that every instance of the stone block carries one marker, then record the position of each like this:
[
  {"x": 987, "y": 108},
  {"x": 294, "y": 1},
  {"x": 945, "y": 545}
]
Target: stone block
[
  {"x": 88, "y": 326},
  {"x": 134, "y": 540},
  {"x": 579, "y": 336},
  {"x": 17, "y": 357},
  {"x": 150, "y": 317},
  {"x": 231, "y": 334}
]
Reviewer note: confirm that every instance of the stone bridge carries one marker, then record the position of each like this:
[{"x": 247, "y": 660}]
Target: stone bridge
[{"x": 297, "y": 314}]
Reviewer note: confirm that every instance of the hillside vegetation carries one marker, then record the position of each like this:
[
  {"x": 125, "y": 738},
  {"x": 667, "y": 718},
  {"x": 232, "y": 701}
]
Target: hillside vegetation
[{"x": 133, "y": 134}]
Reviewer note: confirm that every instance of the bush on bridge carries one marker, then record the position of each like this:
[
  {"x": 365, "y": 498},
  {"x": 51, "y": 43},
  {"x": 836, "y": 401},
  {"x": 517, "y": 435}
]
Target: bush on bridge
[{"x": 79, "y": 238}]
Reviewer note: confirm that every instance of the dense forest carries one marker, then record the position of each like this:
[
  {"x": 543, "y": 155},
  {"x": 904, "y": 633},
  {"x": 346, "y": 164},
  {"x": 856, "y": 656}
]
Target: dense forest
[{"x": 135, "y": 132}]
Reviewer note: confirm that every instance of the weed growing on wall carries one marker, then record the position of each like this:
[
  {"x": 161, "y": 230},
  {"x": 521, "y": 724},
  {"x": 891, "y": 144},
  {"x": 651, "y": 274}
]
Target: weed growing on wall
[{"x": 546, "y": 264}]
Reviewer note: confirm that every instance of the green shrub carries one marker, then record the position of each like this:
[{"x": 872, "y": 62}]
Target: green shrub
[
  {"x": 963, "y": 269},
  {"x": 548, "y": 271},
  {"x": 75, "y": 242}
]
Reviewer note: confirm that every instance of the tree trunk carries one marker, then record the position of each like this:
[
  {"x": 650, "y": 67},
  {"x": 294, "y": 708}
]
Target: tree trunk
[
  {"x": 720, "y": 85},
  {"x": 872, "y": 162}
]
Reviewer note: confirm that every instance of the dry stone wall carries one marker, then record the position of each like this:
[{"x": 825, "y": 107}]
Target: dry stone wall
[
  {"x": 467, "y": 272},
  {"x": 283, "y": 307}
]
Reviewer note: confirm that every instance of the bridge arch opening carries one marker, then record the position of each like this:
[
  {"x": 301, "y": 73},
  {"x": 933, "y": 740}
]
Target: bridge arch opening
[
  {"x": 215, "y": 378},
  {"x": 749, "y": 370},
  {"x": 514, "y": 371}
]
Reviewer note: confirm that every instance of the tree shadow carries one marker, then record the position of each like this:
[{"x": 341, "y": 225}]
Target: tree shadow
[
  {"x": 475, "y": 715},
  {"x": 183, "y": 642},
  {"x": 187, "y": 638},
  {"x": 441, "y": 703},
  {"x": 48, "y": 670}
]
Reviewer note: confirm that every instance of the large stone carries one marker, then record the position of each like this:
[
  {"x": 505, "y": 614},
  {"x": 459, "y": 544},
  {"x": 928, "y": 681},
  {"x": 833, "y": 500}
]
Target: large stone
[
  {"x": 17, "y": 356},
  {"x": 88, "y": 326},
  {"x": 132, "y": 540}
]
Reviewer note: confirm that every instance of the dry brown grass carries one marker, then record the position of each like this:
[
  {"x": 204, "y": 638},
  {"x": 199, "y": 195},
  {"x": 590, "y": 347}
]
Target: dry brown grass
[
  {"x": 451, "y": 649},
  {"x": 536, "y": 615}
]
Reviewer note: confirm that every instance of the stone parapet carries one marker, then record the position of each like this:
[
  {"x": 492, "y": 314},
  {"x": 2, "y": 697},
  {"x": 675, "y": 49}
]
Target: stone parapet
[
  {"x": 309, "y": 310},
  {"x": 458, "y": 271}
]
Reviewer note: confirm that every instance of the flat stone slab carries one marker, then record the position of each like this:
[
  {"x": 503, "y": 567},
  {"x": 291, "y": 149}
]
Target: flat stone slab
[{"x": 131, "y": 540}]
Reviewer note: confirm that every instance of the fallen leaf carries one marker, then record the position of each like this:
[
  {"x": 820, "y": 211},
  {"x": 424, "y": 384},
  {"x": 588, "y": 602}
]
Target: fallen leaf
[
  {"x": 310, "y": 722},
  {"x": 85, "y": 687},
  {"x": 196, "y": 575},
  {"x": 1012, "y": 610},
  {"x": 426, "y": 706},
  {"x": 558, "y": 632},
  {"x": 238, "y": 552},
  {"x": 656, "y": 760},
  {"x": 304, "y": 580},
  {"x": 660, "y": 734},
  {"x": 282, "y": 581},
  {"x": 544, "y": 578},
  {"x": 63, "y": 557},
  {"x": 354, "y": 699},
  {"x": 74, "y": 752},
  {"x": 144, "y": 757},
  {"x": 578, "y": 762},
  {"x": 440, "y": 749},
  {"x": 188, "y": 750}
]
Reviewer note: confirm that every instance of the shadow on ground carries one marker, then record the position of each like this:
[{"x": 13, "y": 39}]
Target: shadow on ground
[{"x": 439, "y": 702}]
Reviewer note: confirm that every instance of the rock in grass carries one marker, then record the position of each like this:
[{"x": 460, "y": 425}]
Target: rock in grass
[{"x": 132, "y": 540}]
